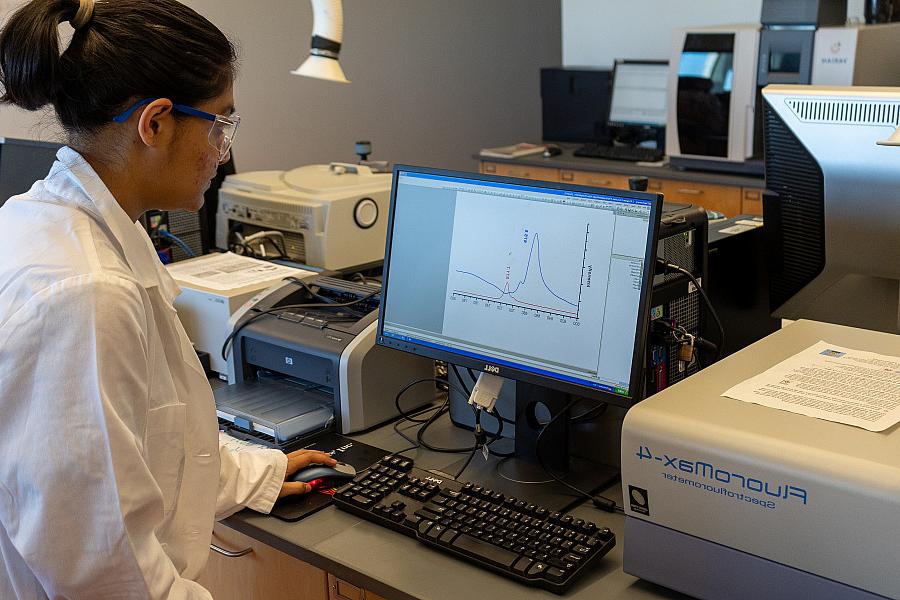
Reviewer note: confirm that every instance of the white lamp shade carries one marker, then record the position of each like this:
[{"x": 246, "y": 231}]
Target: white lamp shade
[
  {"x": 894, "y": 140},
  {"x": 321, "y": 67}
]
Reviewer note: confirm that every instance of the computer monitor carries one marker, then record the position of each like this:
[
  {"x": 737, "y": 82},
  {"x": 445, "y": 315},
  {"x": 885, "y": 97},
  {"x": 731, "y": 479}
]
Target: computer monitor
[
  {"x": 639, "y": 93},
  {"x": 22, "y": 162},
  {"x": 831, "y": 208},
  {"x": 544, "y": 283}
]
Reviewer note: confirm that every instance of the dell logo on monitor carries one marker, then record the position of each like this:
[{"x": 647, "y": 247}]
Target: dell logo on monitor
[{"x": 491, "y": 369}]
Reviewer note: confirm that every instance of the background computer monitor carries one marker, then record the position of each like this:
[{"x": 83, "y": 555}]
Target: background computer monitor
[
  {"x": 543, "y": 283},
  {"x": 639, "y": 93},
  {"x": 22, "y": 162},
  {"x": 831, "y": 207}
]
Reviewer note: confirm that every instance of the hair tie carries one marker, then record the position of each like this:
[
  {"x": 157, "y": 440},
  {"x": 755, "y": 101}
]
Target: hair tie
[{"x": 84, "y": 14}]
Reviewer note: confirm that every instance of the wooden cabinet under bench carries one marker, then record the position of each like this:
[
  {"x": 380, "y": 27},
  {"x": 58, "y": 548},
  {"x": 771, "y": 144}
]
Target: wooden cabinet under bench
[
  {"x": 727, "y": 199},
  {"x": 265, "y": 573}
]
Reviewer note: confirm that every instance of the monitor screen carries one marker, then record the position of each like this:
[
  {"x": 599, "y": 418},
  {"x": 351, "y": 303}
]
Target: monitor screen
[
  {"x": 541, "y": 282},
  {"x": 639, "y": 93}
]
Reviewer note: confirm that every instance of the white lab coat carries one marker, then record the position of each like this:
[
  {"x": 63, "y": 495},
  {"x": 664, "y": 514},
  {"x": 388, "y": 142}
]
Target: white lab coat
[{"x": 111, "y": 466}]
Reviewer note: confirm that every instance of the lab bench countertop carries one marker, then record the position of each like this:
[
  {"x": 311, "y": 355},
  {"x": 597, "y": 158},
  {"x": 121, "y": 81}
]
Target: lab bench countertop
[
  {"x": 398, "y": 567},
  {"x": 567, "y": 160}
]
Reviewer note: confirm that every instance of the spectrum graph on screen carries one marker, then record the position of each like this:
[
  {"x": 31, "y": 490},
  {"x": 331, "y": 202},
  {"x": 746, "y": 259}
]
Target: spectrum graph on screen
[
  {"x": 529, "y": 288},
  {"x": 528, "y": 275}
]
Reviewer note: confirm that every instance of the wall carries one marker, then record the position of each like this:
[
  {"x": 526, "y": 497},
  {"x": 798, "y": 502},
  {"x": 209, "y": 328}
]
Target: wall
[
  {"x": 596, "y": 32},
  {"x": 432, "y": 81}
]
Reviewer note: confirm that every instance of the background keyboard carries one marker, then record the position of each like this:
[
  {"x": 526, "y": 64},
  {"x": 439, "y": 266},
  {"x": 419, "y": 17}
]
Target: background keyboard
[
  {"x": 515, "y": 538},
  {"x": 632, "y": 153}
]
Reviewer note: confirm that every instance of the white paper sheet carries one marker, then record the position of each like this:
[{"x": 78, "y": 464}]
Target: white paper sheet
[
  {"x": 737, "y": 229},
  {"x": 230, "y": 271},
  {"x": 833, "y": 383},
  {"x": 750, "y": 222}
]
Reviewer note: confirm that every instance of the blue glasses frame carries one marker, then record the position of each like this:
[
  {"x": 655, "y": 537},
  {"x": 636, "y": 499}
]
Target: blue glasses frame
[
  {"x": 182, "y": 108},
  {"x": 220, "y": 139}
]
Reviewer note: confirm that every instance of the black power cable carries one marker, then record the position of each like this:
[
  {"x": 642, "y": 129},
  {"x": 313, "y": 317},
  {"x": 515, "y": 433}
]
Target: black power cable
[
  {"x": 671, "y": 267},
  {"x": 601, "y": 502},
  {"x": 438, "y": 412}
]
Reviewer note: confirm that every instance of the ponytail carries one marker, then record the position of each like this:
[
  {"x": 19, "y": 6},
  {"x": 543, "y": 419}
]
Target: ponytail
[
  {"x": 121, "y": 50},
  {"x": 29, "y": 52}
]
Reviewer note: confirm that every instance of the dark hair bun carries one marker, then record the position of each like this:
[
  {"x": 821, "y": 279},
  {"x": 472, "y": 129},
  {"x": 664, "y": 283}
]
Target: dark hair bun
[
  {"x": 29, "y": 52},
  {"x": 125, "y": 49}
]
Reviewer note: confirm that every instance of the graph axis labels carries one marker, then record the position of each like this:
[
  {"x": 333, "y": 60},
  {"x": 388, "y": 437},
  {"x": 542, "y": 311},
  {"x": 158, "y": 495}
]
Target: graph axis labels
[{"x": 506, "y": 292}]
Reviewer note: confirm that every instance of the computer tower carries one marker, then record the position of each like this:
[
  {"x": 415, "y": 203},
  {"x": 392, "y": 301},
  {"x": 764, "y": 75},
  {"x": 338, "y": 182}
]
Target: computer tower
[
  {"x": 575, "y": 104},
  {"x": 676, "y": 307},
  {"x": 163, "y": 226},
  {"x": 22, "y": 162},
  {"x": 739, "y": 283}
]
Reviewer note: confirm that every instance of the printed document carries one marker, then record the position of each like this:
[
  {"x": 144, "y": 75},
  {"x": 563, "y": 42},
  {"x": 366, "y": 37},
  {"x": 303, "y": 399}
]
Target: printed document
[
  {"x": 832, "y": 383},
  {"x": 230, "y": 271}
]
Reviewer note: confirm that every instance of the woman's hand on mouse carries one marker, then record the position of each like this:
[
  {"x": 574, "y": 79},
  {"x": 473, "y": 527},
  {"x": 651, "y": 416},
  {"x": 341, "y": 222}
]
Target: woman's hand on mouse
[{"x": 300, "y": 460}]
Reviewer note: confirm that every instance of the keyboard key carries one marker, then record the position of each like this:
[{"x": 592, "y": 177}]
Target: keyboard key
[
  {"x": 562, "y": 563},
  {"x": 412, "y": 521},
  {"x": 556, "y": 574},
  {"x": 484, "y": 550},
  {"x": 425, "y": 525},
  {"x": 521, "y": 566},
  {"x": 448, "y": 536},
  {"x": 435, "y": 531},
  {"x": 537, "y": 568}
]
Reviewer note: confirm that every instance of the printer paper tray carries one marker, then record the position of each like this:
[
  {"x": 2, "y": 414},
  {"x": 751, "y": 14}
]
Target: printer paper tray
[{"x": 279, "y": 409}]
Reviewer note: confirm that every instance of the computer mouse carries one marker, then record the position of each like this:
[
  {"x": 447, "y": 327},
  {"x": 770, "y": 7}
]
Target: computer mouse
[
  {"x": 338, "y": 473},
  {"x": 552, "y": 150}
]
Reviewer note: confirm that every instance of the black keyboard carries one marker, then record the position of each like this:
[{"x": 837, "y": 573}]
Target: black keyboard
[
  {"x": 515, "y": 538},
  {"x": 632, "y": 153}
]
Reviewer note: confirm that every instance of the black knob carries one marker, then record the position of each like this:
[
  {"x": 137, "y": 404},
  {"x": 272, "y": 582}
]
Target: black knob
[{"x": 638, "y": 184}]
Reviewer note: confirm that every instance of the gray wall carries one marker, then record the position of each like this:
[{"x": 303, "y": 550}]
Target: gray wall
[{"x": 432, "y": 80}]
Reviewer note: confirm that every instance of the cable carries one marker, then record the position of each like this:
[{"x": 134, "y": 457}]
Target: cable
[
  {"x": 409, "y": 416},
  {"x": 459, "y": 377},
  {"x": 244, "y": 248},
  {"x": 480, "y": 440},
  {"x": 590, "y": 414},
  {"x": 712, "y": 311},
  {"x": 601, "y": 502},
  {"x": 169, "y": 236},
  {"x": 285, "y": 308}
]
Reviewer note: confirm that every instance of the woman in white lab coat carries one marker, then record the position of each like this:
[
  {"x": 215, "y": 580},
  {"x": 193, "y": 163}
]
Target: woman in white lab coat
[{"x": 111, "y": 466}]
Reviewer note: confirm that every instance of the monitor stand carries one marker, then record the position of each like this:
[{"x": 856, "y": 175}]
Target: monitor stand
[{"x": 522, "y": 475}]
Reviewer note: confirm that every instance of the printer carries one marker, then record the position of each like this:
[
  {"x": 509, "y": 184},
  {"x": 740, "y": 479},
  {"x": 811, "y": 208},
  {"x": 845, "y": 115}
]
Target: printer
[
  {"x": 332, "y": 216},
  {"x": 301, "y": 365},
  {"x": 728, "y": 499}
]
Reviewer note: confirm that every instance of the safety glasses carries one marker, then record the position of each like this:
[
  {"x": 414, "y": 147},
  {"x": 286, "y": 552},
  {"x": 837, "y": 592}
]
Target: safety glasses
[{"x": 221, "y": 133}]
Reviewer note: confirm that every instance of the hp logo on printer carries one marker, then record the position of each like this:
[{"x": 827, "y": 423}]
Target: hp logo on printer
[{"x": 640, "y": 502}]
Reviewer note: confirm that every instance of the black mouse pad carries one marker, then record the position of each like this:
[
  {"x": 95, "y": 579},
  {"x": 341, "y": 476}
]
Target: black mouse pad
[{"x": 343, "y": 449}]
